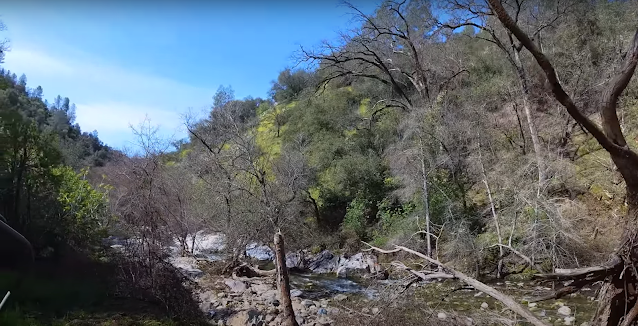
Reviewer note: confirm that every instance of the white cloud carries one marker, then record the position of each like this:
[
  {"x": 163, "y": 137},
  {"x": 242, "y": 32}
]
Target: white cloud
[{"x": 108, "y": 97}]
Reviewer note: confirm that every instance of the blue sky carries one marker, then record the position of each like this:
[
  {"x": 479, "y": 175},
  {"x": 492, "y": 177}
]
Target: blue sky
[{"x": 120, "y": 61}]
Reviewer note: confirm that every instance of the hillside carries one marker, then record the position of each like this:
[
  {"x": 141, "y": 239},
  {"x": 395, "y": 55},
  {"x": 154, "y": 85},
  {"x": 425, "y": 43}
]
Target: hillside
[{"x": 449, "y": 136}]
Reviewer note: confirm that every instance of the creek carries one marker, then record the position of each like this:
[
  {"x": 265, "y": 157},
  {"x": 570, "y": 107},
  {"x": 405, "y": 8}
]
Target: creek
[{"x": 450, "y": 295}]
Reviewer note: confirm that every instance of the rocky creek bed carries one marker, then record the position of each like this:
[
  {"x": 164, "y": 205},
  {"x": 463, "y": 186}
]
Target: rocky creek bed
[{"x": 326, "y": 286}]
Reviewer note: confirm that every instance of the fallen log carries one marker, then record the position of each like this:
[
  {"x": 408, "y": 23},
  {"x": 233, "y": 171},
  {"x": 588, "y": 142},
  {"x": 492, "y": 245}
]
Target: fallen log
[
  {"x": 247, "y": 271},
  {"x": 589, "y": 274}
]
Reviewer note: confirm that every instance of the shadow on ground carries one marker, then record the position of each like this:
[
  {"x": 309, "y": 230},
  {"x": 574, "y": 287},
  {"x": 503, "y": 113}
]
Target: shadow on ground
[{"x": 111, "y": 290}]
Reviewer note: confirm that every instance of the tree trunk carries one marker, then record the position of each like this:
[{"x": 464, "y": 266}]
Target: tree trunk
[
  {"x": 522, "y": 75},
  {"x": 499, "y": 269},
  {"x": 283, "y": 283},
  {"x": 426, "y": 200},
  {"x": 618, "y": 297}
]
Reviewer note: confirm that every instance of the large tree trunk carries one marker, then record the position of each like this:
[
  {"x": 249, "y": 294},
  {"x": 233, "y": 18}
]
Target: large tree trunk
[{"x": 617, "y": 298}]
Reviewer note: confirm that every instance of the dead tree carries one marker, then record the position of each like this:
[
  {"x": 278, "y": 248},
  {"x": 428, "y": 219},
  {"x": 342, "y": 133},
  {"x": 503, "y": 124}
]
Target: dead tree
[
  {"x": 618, "y": 301},
  {"x": 283, "y": 282}
]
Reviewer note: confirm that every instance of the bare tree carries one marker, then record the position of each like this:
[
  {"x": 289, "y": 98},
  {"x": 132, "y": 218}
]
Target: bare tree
[{"x": 472, "y": 11}]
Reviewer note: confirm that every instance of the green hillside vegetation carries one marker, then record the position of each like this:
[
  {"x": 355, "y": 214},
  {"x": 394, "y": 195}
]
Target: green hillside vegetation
[{"x": 441, "y": 136}]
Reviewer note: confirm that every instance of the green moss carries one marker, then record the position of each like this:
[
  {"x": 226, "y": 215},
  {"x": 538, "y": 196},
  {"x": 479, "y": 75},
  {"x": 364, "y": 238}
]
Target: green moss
[{"x": 364, "y": 108}]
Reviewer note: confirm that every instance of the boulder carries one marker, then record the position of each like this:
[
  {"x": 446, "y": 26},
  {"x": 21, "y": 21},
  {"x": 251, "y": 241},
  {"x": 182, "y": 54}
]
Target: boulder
[
  {"x": 205, "y": 244},
  {"x": 236, "y": 286},
  {"x": 254, "y": 250},
  {"x": 187, "y": 265},
  {"x": 296, "y": 261},
  {"x": 359, "y": 265},
  {"x": 323, "y": 262}
]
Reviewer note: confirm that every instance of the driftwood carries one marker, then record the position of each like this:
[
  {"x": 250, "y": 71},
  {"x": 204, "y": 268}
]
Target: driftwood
[
  {"x": 247, "y": 271},
  {"x": 590, "y": 274},
  {"x": 283, "y": 282},
  {"x": 503, "y": 298}
]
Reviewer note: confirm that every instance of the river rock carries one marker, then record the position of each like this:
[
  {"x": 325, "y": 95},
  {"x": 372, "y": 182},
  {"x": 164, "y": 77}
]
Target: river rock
[
  {"x": 236, "y": 286},
  {"x": 441, "y": 315},
  {"x": 569, "y": 320},
  {"x": 205, "y": 244},
  {"x": 263, "y": 253},
  {"x": 484, "y": 305},
  {"x": 269, "y": 296},
  {"x": 340, "y": 297},
  {"x": 564, "y": 310},
  {"x": 359, "y": 264},
  {"x": 187, "y": 265},
  {"x": 296, "y": 261},
  {"x": 239, "y": 319},
  {"x": 323, "y": 262},
  {"x": 295, "y": 293},
  {"x": 323, "y": 321}
]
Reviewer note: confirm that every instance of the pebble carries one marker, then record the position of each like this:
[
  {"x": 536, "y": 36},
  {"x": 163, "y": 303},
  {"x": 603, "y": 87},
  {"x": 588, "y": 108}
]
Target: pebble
[
  {"x": 484, "y": 305},
  {"x": 569, "y": 320},
  {"x": 441, "y": 315},
  {"x": 322, "y": 311},
  {"x": 340, "y": 297},
  {"x": 375, "y": 310},
  {"x": 532, "y": 304},
  {"x": 564, "y": 310}
]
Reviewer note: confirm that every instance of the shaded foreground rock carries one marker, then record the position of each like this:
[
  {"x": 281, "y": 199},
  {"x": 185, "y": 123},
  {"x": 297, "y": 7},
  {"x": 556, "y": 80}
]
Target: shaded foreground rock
[{"x": 255, "y": 302}]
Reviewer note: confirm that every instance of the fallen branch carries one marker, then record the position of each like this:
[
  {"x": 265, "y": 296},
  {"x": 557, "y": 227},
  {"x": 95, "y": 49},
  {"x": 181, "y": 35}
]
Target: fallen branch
[
  {"x": 572, "y": 288},
  {"x": 505, "y": 299},
  {"x": 589, "y": 274},
  {"x": 247, "y": 271},
  {"x": 426, "y": 276},
  {"x": 519, "y": 254}
]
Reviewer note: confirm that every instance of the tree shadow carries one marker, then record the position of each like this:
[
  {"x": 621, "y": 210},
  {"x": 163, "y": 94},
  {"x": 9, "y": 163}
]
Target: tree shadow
[{"x": 88, "y": 291}]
